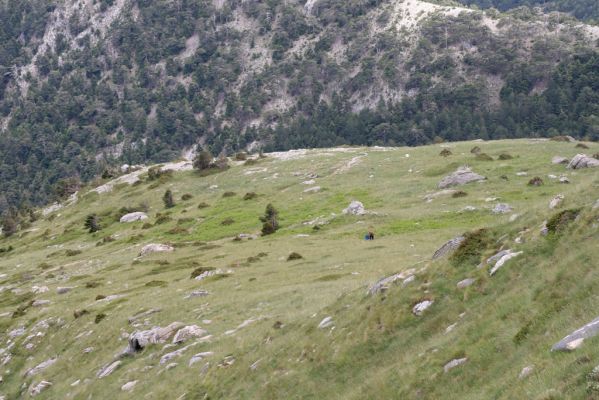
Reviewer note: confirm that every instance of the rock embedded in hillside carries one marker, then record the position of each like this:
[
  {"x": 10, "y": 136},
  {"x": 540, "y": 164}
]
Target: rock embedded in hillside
[
  {"x": 314, "y": 189},
  {"x": 463, "y": 284},
  {"x": 449, "y": 247},
  {"x": 208, "y": 274},
  {"x": 421, "y": 307},
  {"x": 325, "y": 323},
  {"x": 35, "y": 390},
  {"x": 40, "y": 367},
  {"x": 383, "y": 284},
  {"x": 454, "y": 363},
  {"x": 556, "y": 201},
  {"x": 155, "y": 248},
  {"x": 197, "y": 293},
  {"x": 526, "y": 372},
  {"x": 583, "y": 161},
  {"x": 199, "y": 357},
  {"x": 39, "y": 289},
  {"x": 143, "y": 314},
  {"x": 177, "y": 353},
  {"x": 63, "y": 289},
  {"x": 40, "y": 303},
  {"x": 355, "y": 208},
  {"x": 460, "y": 177},
  {"x": 501, "y": 262},
  {"x": 140, "y": 339},
  {"x": 129, "y": 386},
  {"x": 564, "y": 180},
  {"x": 108, "y": 369},
  {"x": 560, "y": 160},
  {"x": 133, "y": 217},
  {"x": 502, "y": 208},
  {"x": 496, "y": 257},
  {"x": 188, "y": 332},
  {"x": 445, "y": 192},
  {"x": 576, "y": 338}
]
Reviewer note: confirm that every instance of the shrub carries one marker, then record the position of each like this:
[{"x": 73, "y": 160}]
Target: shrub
[
  {"x": 560, "y": 138},
  {"x": 200, "y": 270},
  {"x": 162, "y": 219},
  {"x": 475, "y": 150},
  {"x": 227, "y": 222},
  {"x": 471, "y": 249},
  {"x": 270, "y": 220},
  {"x": 445, "y": 153},
  {"x": 459, "y": 193},
  {"x": 229, "y": 194},
  {"x": 9, "y": 225},
  {"x": 536, "y": 181},
  {"x": 241, "y": 156},
  {"x": 146, "y": 225},
  {"x": 156, "y": 172},
  {"x": 72, "y": 253},
  {"x": 99, "y": 318},
  {"x": 186, "y": 197},
  {"x": 294, "y": 256},
  {"x": 80, "y": 313},
  {"x": 560, "y": 221},
  {"x": 91, "y": 223},
  {"x": 203, "y": 160},
  {"x": 582, "y": 146},
  {"x": 250, "y": 196},
  {"x": 251, "y": 161},
  {"x": 505, "y": 156},
  {"x": 483, "y": 157},
  {"x": 203, "y": 205},
  {"x": 168, "y": 200}
]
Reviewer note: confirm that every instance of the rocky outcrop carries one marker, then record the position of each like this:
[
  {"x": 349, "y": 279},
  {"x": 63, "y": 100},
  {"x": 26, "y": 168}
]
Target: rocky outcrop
[
  {"x": 188, "y": 332},
  {"x": 155, "y": 248},
  {"x": 40, "y": 367},
  {"x": 355, "y": 208},
  {"x": 583, "y": 161},
  {"x": 141, "y": 339},
  {"x": 133, "y": 217},
  {"x": 449, "y": 247},
  {"x": 576, "y": 338},
  {"x": 384, "y": 283},
  {"x": 421, "y": 307},
  {"x": 462, "y": 176},
  {"x": 199, "y": 357}
]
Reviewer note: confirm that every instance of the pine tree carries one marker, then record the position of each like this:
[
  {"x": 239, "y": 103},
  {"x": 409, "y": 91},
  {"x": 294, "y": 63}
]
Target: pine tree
[
  {"x": 203, "y": 160},
  {"x": 9, "y": 225},
  {"x": 168, "y": 200},
  {"x": 92, "y": 224},
  {"x": 270, "y": 220}
]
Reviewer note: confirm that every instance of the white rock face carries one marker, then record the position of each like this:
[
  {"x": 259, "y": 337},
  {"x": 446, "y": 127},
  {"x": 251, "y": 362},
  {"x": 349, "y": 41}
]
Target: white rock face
[
  {"x": 355, "y": 208},
  {"x": 108, "y": 369},
  {"x": 454, "y": 363},
  {"x": 383, "y": 284},
  {"x": 188, "y": 332},
  {"x": 325, "y": 323},
  {"x": 421, "y": 307},
  {"x": 502, "y": 261},
  {"x": 156, "y": 248},
  {"x": 133, "y": 217},
  {"x": 556, "y": 201},
  {"x": 39, "y": 289},
  {"x": 462, "y": 176},
  {"x": 583, "y": 161}
]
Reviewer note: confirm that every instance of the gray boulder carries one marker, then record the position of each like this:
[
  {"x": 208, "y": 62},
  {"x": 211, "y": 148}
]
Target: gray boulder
[
  {"x": 465, "y": 283},
  {"x": 449, "y": 247},
  {"x": 454, "y": 363},
  {"x": 460, "y": 177},
  {"x": 559, "y": 160},
  {"x": 501, "y": 262},
  {"x": 133, "y": 217},
  {"x": 355, "y": 208},
  {"x": 383, "y": 284},
  {"x": 188, "y": 332},
  {"x": 40, "y": 367},
  {"x": 556, "y": 201},
  {"x": 502, "y": 208},
  {"x": 34, "y": 390},
  {"x": 325, "y": 323},
  {"x": 108, "y": 369},
  {"x": 576, "y": 338},
  {"x": 141, "y": 339},
  {"x": 155, "y": 248},
  {"x": 421, "y": 307},
  {"x": 583, "y": 161}
]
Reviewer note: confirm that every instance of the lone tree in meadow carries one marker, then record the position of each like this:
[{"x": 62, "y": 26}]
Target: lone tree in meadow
[
  {"x": 168, "y": 200},
  {"x": 203, "y": 160},
  {"x": 270, "y": 220},
  {"x": 9, "y": 224},
  {"x": 92, "y": 224}
]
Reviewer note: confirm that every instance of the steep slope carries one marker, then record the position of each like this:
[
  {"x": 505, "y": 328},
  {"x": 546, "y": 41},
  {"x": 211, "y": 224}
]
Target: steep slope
[
  {"x": 86, "y": 83},
  {"x": 71, "y": 301}
]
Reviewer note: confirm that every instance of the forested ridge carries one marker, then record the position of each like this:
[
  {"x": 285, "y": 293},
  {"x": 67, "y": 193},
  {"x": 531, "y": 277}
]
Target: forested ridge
[{"x": 88, "y": 85}]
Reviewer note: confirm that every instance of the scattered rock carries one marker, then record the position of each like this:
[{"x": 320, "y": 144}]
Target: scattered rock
[
  {"x": 445, "y": 192},
  {"x": 129, "y": 386},
  {"x": 383, "y": 284},
  {"x": 155, "y": 248},
  {"x": 208, "y": 274},
  {"x": 133, "y": 217},
  {"x": 355, "y": 208},
  {"x": 40, "y": 303},
  {"x": 171, "y": 366},
  {"x": 325, "y": 323},
  {"x": 227, "y": 361},
  {"x": 576, "y": 338},
  {"x": 521, "y": 173},
  {"x": 536, "y": 181},
  {"x": 314, "y": 189},
  {"x": 454, "y": 363},
  {"x": 140, "y": 339},
  {"x": 544, "y": 229},
  {"x": 197, "y": 293},
  {"x": 465, "y": 283},
  {"x": 39, "y": 289},
  {"x": 40, "y": 367},
  {"x": 177, "y": 353},
  {"x": 462, "y": 176},
  {"x": 108, "y": 369},
  {"x": 564, "y": 180},
  {"x": 199, "y": 357},
  {"x": 583, "y": 161},
  {"x": 254, "y": 366},
  {"x": 449, "y": 247},
  {"x": 560, "y": 160},
  {"x": 500, "y": 263},
  {"x": 556, "y": 201},
  {"x": 143, "y": 314},
  {"x": 421, "y": 307},
  {"x": 526, "y": 372},
  {"x": 64, "y": 289},
  {"x": 450, "y": 328},
  {"x": 502, "y": 208},
  {"x": 188, "y": 332},
  {"x": 39, "y": 388}
]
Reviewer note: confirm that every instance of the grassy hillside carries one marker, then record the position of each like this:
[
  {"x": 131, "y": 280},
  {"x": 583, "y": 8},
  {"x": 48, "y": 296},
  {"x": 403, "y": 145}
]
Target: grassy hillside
[{"x": 262, "y": 311}]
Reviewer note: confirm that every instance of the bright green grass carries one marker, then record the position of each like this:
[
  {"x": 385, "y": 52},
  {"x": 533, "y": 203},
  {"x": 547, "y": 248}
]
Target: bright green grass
[{"x": 378, "y": 349}]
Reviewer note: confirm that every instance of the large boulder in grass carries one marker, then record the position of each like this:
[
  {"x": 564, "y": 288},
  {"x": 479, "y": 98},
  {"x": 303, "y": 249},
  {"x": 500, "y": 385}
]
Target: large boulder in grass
[
  {"x": 134, "y": 217},
  {"x": 460, "y": 177},
  {"x": 355, "y": 208},
  {"x": 583, "y": 161},
  {"x": 576, "y": 338},
  {"x": 156, "y": 248}
]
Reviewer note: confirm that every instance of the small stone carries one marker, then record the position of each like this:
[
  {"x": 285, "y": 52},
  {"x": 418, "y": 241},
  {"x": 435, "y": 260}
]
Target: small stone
[
  {"x": 325, "y": 323},
  {"x": 39, "y": 289},
  {"x": 355, "y": 208},
  {"x": 155, "y": 248},
  {"x": 197, "y": 293},
  {"x": 465, "y": 283},
  {"x": 502, "y": 208},
  {"x": 559, "y": 160},
  {"x": 314, "y": 189},
  {"x": 462, "y": 176},
  {"x": 76, "y": 383},
  {"x": 40, "y": 367},
  {"x": 39, "y": 388},
  {"x": 526, "y": 372},
  {"x": 451, "y": 327},
  {"x": 454, "y": 363},
  {"x": 500, "y": 263},
  {"x": 108, "y": 369},
  {"x": 133, "y": 217},
  {"x": 63, "y": 289},
  {"x": 556, "y": 201},
  {"x": 199, "y": 357},
  {"x": 129, "y": 386},
  {"x": 171, "y": 366},
  {"x": 188, "y": 332},
  {"x": 40, "y": 303},
  {"x": 421, "y": 307}
]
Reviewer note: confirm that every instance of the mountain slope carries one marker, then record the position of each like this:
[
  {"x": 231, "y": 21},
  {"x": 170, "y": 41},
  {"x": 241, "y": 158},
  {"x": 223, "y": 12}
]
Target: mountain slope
[{"x": 262, "y": 310}]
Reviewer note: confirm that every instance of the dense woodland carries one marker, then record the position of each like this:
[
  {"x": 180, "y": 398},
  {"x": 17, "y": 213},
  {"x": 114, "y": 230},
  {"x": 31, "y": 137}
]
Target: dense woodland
[
  {"x": 271, "y": 74},
  {"x": 587, "y": 10}
]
